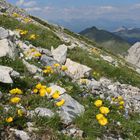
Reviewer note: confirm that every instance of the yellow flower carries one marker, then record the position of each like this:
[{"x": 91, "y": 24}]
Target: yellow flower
[
  {"x": 83, "y": 81},
  {"x": 98, "y": 103},
  {"x": 103, "y": 121},
  {"x": 120, "y": 98},
  {"x": 99, "y": 116},
  {"x": 113, "y": 99},
  {"x": 16, "y": 15},
  {"x": 121, "y": 102},
  {"x": 121, "y": 107},
  {"x": 32, "y": 37},
  {"x": 48, "y": 67},
  {"x": 94, "y": 73},
  {"x": 42, "y": 92},
  {"x": 56, "y": 95},
  {"x": 22, "y": 32},
  {"x": 49, "y": 90},
  {"x": 38, "y": 86},
  {"x": 64, "y": 68},
  {"x": 26, "y": 20},
  {"x": 33, "y": 50},
  {"x": 9, "y": 120},
  {"x": 15, "y": 91},
  {"x": 37, "y": 54},
  {"x": 20, "y": 112},
  {"x": 56, "y": 65},
  {"x": 104, "y": 110},
  {"x": 46, "y": 71},
  {"x": 43, "y": 86},
  {"x": 35, "y": 90},
  {"x": 15, "y": 100},
  {"x": 60, "y": 103}
]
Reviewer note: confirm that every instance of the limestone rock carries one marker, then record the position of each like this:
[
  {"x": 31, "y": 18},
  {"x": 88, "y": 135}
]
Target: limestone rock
[
  {"x": 70, "y": 109},
  {"x": 6, "y": 73},
  {"x": 60, "y": 54},
  {"x": 31, "y": 68},
  {"x": 21, "y": 134},
  {"x": 7, "y": 48},
  {"x": 57, "y": 88},
  {"x": 44, "y": 51},
  {"x": 133, "y": 56},
  {"x": 48, "y": 61},
  {"x": 107, "y": 58},
  {"x": 3, "y": 33},
  {"x": 42, "y": 112},
  {"x": 76, "y": 70}
]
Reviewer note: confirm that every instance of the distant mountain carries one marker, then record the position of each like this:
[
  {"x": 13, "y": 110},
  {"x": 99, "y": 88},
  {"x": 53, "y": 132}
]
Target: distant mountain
[
  {"x": 107, "y": 39},
  {"x": 131, "y": 35}
]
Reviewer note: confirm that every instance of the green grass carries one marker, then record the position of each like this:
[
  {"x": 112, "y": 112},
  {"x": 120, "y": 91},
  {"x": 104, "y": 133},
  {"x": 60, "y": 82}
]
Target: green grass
[
  {"x": 121, "y": 74},
  {"x": 129, "y": 128},
  {"x": 45, "y": 39}
]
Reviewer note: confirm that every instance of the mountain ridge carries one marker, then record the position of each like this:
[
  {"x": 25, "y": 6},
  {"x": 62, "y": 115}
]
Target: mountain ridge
[
  {"x": 131, "y": 35},
  {"x": 106, "y": 39}
]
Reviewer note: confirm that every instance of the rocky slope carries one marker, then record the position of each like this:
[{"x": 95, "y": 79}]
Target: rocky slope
[
  {"x": 133, "y": 56},
  {"x": 57, "y": 85}
]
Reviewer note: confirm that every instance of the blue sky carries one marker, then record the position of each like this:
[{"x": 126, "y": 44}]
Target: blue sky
[{"x": 79, "y": 14}]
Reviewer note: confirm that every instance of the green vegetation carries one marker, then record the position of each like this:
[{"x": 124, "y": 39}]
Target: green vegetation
[
  {"x": 122, "y": 74},
  {"x": 45, "y": 39}
]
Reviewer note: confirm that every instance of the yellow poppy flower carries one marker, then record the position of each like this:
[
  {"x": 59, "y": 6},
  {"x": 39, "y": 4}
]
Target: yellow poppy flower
[
  {"x": 104, "y": 110},
  {"x": 38, "y": 86},
  {"x": 49, "y": 90},
  {"x": 60, "y": 103},
  {"x": 35, "y": 90},
  {"x": 42, "y": 92},
  {"x": 22, "y": 32},
  {"x": 37, "y": 54},
  {"x": 15, "y": 100},
  {"x": 9, "y": 120},
  {"x": 120, "y": 98},
  {"x": 121, "y": 102},
  {"x": 99, "y": 116},
  {"x": 56, "y": 65},
  {"x": 103, "y": 121},
  {"x": 15, "y": 91},
  {"x": 64, "y": 68},
  {"x": 16, "y": 15},
  {"x": 98, "y": 103},
  {"x": 121, "y": 107},
  {"x": 20, "y": 112},
  {"x": 32, "y": 37},
  {"x": 56, "y": 95},
  {"x": 43, "y": 86}
]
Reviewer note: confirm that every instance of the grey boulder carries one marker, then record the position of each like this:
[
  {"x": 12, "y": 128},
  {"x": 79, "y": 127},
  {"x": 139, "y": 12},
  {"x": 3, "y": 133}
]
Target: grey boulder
[{"x": 70, "y": 109}]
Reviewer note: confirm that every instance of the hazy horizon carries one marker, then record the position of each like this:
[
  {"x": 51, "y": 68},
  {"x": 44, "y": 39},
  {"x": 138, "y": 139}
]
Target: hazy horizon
[{"x": 80, "y": 14}]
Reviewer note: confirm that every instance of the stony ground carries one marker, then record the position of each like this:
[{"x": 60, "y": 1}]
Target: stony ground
[{"x": 71, "y": 91}]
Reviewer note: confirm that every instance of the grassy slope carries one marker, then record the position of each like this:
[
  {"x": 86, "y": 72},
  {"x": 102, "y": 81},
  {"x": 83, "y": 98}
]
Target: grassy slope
[
  {"x": 121, "y": 74},
  {"x": 46, "y": 38},
  {"x": 88, "y": 119}
]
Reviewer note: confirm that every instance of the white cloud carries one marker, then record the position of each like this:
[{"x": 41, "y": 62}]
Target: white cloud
[
  {"x": 33, "y": 9},
  {"x": 20, "y": 2},
  {"x": 24, "y": 3}
]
